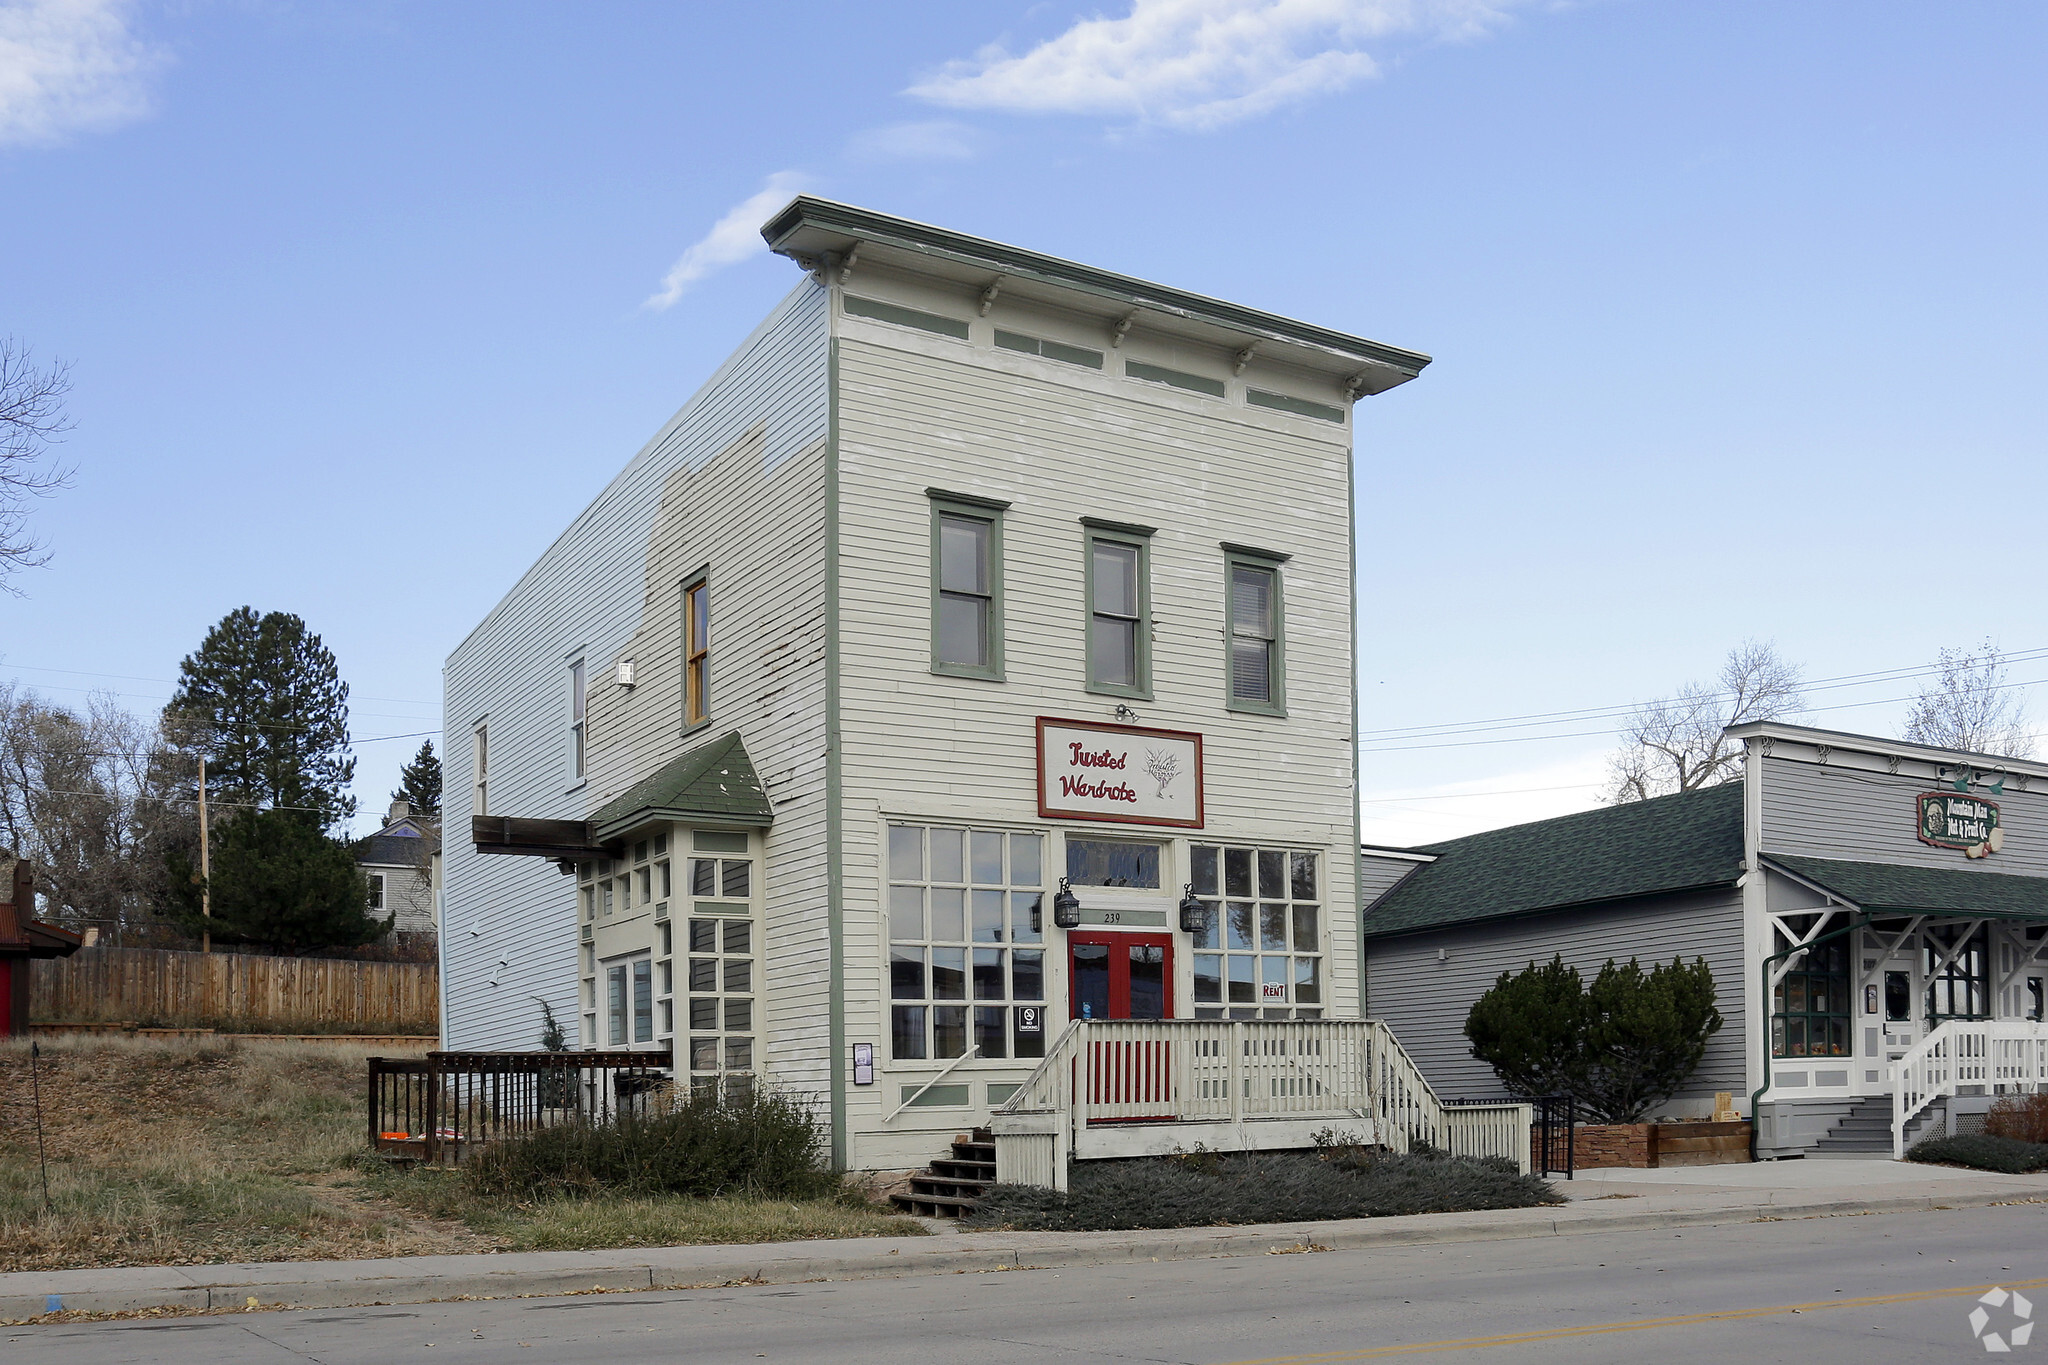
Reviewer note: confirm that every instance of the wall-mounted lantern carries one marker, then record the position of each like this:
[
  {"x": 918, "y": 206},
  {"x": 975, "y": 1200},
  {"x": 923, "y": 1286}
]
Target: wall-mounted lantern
[
  {"x": 1194, "y": 916},
  {"x": 1066, "y": 907}
]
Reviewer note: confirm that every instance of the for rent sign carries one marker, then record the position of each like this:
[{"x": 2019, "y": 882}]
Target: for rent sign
[{"x": 1124, "y": 773}]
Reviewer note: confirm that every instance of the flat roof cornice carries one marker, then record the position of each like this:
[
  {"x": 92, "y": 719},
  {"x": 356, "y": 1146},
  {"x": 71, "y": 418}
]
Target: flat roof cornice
[
  {"x": 1885, "y": 748},
  {"x": 811, "y": 230}
]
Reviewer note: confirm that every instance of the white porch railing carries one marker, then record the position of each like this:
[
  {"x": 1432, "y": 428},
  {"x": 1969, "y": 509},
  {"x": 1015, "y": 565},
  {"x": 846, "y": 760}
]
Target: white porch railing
[
  {"x": 1130, "y": 1087},
  {"x": 2003, "y": 1056}
]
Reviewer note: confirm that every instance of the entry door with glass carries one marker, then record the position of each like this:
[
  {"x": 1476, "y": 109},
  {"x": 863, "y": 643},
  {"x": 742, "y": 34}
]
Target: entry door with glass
[{"x": 1119, "y": 976}]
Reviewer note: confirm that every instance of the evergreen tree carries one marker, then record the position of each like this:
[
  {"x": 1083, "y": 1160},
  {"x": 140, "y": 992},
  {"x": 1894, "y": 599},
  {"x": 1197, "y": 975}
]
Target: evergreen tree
[
  {"x": 419, "y": 783},
  {"x": 278, "y": 880},
  {"x": 1622, "y": 1045},
  {"x": 1529, "y": 1029},
  {"x": 262, "y": 698}
]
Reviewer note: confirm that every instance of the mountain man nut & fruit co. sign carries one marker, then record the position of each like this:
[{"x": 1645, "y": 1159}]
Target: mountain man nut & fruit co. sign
[
  {"x": 1122, "y": 773},
  {"x": 1965, "y": 822}
]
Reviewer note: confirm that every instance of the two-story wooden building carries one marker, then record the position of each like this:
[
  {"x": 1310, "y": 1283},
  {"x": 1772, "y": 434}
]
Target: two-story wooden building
[{"x": 973, "y": 653}]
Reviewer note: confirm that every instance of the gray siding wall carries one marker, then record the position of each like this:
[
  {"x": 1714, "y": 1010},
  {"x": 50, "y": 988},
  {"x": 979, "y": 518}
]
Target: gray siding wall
[
  {"x": 408, "y": 897},
  {"x": 510, "y": 923},
  {"x": 1425, "y": 1000},
  {"x": 1851, "y": 808},
  {"x": 1377, "y": 875}
]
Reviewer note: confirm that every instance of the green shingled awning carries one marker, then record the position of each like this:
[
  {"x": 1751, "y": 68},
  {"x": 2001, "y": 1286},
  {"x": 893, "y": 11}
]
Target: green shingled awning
[
  {"x": 714, "y": 785},
  {"x": 1900, "y": 889}
]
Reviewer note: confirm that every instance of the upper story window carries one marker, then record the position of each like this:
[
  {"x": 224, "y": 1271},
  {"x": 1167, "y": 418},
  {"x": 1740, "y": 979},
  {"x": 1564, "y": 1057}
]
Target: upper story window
[
  {"x": 1254, "y": 626},
  {"x": 480, "y": 803},
  {"x": 967, "y": 585},
  {"x": 376, "y": 890},
  {"x": 697, "y": 652},
  {"x": 577, "y": 698},
  {"x": 1119, "y": 609}
]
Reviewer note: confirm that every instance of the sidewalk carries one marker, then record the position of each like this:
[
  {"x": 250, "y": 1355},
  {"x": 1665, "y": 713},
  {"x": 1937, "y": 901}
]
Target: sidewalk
[{"x": 1600, "y": 1201}]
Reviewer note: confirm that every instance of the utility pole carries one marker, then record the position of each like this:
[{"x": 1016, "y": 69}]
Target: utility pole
[{"x": 205, "y": 867}]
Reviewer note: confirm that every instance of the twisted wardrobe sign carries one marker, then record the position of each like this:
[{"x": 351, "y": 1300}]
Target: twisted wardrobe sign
[
  {"x": 1968, "y": 823},
  {"x": 1125, "y": 774}
]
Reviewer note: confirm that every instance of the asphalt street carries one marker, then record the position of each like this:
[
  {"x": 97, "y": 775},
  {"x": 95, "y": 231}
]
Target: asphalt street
[{"x": 1863, "y": 1289}]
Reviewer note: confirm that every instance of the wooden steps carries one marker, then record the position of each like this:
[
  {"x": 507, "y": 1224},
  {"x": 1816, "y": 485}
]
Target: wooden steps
[{"x": 948, "y": 1188}]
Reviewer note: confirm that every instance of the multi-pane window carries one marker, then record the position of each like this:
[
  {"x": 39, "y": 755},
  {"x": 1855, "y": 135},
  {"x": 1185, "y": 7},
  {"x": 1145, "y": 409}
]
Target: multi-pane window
[
  {"x": 967, "y": 586},
  {"x": 577, "y": 693},
  {"x": 1958, "y": 974},
  {"x": 1254, "y": 613},
  {"x": 376, "y": 890},
  {"x": 720, "y": 973},
  {"x": 629, "y": 1002},
  {"x": 1810, "y": 1007},
  {"x": 1119, "y": 632},
  {"x": 966, "y": 942},
  {"x": 697, "y": 652},
  {"x": 1259, "y": 952}
]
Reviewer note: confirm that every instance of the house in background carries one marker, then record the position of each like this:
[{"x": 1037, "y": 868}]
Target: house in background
[
  {"x": 23, "y": 939},
  {"x": 1867, "y": 906},
  {"x": 399, "y": 861},
  {"x": 973, "y": 653}
]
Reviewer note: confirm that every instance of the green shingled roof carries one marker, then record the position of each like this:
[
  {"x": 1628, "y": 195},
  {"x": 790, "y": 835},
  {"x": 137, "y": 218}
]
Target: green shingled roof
[
  {"x": 1896, "y": 889},
  {"x": 714, "y": 784},
  {"x": 1691, "y": 841}
]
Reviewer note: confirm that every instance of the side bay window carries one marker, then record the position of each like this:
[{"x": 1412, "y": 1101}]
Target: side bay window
[
  {"x": 966, "y": 943},
  {"x": 967, "y": 584},
  {"x": 1119, "y": 608},
  {"x": 1254, "y": 616}
]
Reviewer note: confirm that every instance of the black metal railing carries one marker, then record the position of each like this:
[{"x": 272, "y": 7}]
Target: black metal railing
[
  {"x": 437, "y": 1107},
  {"x": 1555, "y": 1136}
]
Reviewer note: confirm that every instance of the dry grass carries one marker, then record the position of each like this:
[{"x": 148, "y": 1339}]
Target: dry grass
[{"x": 192, "y": 1151}]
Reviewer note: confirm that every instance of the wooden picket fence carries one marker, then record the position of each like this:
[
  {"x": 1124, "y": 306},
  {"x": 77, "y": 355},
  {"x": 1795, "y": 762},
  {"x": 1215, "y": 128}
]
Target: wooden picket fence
[{"x": 153, "y": 986}]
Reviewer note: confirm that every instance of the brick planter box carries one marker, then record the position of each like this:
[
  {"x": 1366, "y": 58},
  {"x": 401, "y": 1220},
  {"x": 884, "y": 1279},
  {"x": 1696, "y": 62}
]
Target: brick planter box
[{"x": 1646, "y": 1145}]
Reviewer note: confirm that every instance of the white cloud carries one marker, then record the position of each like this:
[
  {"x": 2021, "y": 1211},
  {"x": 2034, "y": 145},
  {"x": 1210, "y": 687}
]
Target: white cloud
[
  {"x": 69, "y": 66},
  {"x": 732, "y": 239},
  {"x": 1409, "y": 816},
  {"x": 1200, "y": 64},
  {"x": 939, "y": 140}
]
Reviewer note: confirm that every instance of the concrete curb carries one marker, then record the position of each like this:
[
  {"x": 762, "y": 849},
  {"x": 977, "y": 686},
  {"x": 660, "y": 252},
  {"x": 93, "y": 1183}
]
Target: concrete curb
[{"x": 27, "y": 1295}]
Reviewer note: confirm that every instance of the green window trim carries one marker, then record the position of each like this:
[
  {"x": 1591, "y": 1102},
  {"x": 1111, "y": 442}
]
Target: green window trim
[
  {"x": 1179, "y": 379},
  {"x": 904, "y": 317},
  {"x": 1236, "y": 557},
  {"x": 1300, "y": 407},
  {"x": 1050, "y": 350},
  {"x": 988, "y": 512},
  {"x": 1130, "y": 537}
]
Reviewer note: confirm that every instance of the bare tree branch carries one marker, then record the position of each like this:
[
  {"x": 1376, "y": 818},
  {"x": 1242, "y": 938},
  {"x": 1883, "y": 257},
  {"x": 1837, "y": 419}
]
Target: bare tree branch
[
  {"x": 31, "y": 418},
  {"x": 1677, "y": 744},
  {"x": 1971, "y": 707}
]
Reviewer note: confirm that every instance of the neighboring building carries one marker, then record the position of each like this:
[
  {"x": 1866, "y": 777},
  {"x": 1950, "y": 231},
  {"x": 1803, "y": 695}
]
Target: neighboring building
[
  {"x": 398, "y": 862},
  {"x": 970, "y": 570},
  {"x": 1919, "y": 876},
  {"x": 23, "y": 939}
]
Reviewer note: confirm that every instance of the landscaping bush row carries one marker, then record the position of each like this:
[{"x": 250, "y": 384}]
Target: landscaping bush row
[
  {"x": 1984, "y": 1151},
  {"x": 1261, "y": 1187}
]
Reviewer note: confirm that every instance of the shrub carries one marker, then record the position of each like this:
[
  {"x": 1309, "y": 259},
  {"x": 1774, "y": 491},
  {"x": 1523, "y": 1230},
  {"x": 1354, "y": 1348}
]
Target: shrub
[
  {"x": 762, "y": 1144},
  {"x": 1985, "y": 1152},
  {"x": 1621, "y": 1045},
  {"x": 1206, "y": 1188},
  {"x": 2021, "y": 1117}
]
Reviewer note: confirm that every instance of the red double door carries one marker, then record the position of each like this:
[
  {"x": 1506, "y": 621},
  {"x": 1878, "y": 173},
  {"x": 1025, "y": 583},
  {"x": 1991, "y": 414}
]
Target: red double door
[{"x": 1124, "y": 976}]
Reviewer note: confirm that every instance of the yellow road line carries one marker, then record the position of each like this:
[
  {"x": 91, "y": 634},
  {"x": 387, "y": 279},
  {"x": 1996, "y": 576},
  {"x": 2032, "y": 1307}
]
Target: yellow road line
[{"x": 1640, "y": 1325}]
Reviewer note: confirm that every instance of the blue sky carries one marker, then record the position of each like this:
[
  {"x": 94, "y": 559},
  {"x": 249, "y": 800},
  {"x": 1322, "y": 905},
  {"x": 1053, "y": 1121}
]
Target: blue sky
[{"x": 1737, "y": 310}]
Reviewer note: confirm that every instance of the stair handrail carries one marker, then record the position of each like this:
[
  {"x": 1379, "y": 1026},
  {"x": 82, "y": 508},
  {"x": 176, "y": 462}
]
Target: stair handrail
[
  {"x": 916, "y": 1094},
  {"x": 1931, "y": 1069}
]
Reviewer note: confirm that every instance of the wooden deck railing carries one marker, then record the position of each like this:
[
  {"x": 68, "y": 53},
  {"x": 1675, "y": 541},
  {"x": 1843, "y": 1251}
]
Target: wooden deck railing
[
  {"x": 1124, "y": 1087},
  {"x": 1994, "y": 1056},
  {"x": 437, "y": 1107}
]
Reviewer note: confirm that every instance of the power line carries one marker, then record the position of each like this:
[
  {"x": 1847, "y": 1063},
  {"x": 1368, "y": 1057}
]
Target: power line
[{"x": 173, "y": 682}]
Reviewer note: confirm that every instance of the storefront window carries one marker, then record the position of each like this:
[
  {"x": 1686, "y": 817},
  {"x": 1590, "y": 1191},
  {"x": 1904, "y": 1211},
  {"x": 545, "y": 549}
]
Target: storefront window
[
  {"x": 1810, "y": 1009},
  {"x": 1259, "y": 952},
  {"x": 1958, "y": 974},
  {"x": 966, "y": 929}
]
